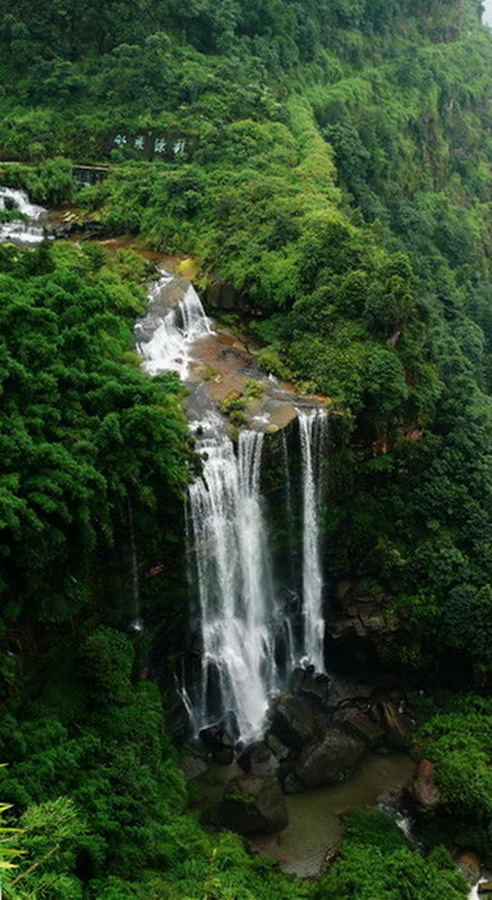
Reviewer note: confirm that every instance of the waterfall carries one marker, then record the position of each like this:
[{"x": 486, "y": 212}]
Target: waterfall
[
  {"x": 172, "y": 335},
  {"x": 24, "y": 232},
  {"x": 249, "y": 645},
  {"x": 313, "y": 433},
  {"x": 137, "y": 623},
  {"x": 237, "y": 604}
]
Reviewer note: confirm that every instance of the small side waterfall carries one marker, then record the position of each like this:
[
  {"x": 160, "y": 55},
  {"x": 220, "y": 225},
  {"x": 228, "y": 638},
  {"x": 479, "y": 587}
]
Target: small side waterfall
[
  {"x": 137, "y": 623},
  {"x": 20, "y": 230},
  {"x": 313, "y": 433},
  {"x": 234, "y": 579}
]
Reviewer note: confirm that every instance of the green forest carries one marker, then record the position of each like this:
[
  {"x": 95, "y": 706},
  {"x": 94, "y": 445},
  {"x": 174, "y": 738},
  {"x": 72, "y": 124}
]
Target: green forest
[{"x": 328, "y": 163}]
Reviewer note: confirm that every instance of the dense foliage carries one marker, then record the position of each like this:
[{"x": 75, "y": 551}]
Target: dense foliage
[
  {"x": 103, "y": 795},
  {"x": 374, "y": 844},
  {"x": 329, "y": 162},
  {"x": 457, "y": 737},
  {"x": 344, "y": 196},
  {"x": 80, "y": 425}
]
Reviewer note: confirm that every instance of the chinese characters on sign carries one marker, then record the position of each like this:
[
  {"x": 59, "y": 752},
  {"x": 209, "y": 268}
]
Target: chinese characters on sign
[{"x": 169, "y": 147}]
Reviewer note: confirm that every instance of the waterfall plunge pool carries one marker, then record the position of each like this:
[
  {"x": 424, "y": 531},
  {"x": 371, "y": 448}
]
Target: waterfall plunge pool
[{"x": 315, "y": 828}]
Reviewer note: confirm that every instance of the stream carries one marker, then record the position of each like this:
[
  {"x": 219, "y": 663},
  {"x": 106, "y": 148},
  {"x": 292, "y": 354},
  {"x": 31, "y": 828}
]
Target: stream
[{"x": 315, "y": 817}]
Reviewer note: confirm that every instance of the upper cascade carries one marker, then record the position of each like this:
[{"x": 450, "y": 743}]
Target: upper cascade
[{"x": 172, "y": 333}]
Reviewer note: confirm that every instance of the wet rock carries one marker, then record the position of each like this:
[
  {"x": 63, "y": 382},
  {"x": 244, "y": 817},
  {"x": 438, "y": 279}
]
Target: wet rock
[
  {"x": 312, "y": 684},
  {"x": 485, "y": 888},
  {"x": 278, "y": 749},
  {"x": 252, "y": 804},
  {"x": 293, "y": 721},
  {"x": 363, "y": 624},
  {"x": 349, "y": 693},
  {"x": 372, "y": 619},
  {"x": 328, "y": 759},
  {"x": 423, "y": 790},
  {"x": 297, "y": 679},
  {"x": 258, "y": 759},
  {"x": 291, "y": 784},
  {"x": 219, "y": 739},
  {"x": 361, "y": 727},
  {"x": 193, "y": 766},
  {"x": 316, "y": 686},
  {"x": 343, "y": 589},
  {"x": 470, "y": 865},
  {"x": 346, "y": 630}
]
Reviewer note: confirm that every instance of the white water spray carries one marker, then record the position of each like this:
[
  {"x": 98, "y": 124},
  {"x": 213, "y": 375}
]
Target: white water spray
[
  {"x": 173, "y": 334},
  {"x": 236, "y": 597},
  {"x": 19, "y": 230},
  {"x": 313, "y": 432},
  {"x": 245, "y": 637},
  {"x": 475, "y": 891},
  {"x": 137, "y": 624}
]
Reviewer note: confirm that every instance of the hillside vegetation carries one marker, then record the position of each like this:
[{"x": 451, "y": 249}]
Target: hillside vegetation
[{"x": 330, "y": 160}]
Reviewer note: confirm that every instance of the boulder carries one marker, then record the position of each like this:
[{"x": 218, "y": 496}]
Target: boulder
[
  {"x": 423, "y": 790},
  {"x": 219, "y": 739},
  {"x": 469, "y": 863},
  {"x": 316, "y": 686},
  {"x": 328, "y": 759},
  {"x": 291, "y": 784},
  {"x": 310, "y": 683},
  {"x": 358, "y": 724},
  {"x": 296, "y": 679},
  {"x": 350, "y": 693},
  {"x": 192, "y": 766},
  {"x": 252, "y": 804},
  {"x": 258, "y": 759},
  {"x": 485, "y": 888},
  {"x": 293, "y": 721},
  {"x": 279, "y": 750}
]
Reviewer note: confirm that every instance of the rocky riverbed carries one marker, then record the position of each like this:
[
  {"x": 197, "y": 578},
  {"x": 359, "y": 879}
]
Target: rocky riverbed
[{"x": 328, "y": 744}]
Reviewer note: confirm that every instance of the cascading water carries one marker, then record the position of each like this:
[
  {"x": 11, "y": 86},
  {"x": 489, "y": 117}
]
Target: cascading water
[
  {"x": 137, "y": 623},
  {"x": 475, "y": 893},
  {"x": 249, "y": 643},
  {"x": 313, "y": 433},
  {"x": 234, "y": 578},
  {"x": 173, "y": 334},
  {"x": 24, "y": 231}
]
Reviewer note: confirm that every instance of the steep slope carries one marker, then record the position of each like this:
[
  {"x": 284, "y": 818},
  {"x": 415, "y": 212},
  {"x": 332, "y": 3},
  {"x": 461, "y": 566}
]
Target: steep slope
[{"x": 328, "y": 162}]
